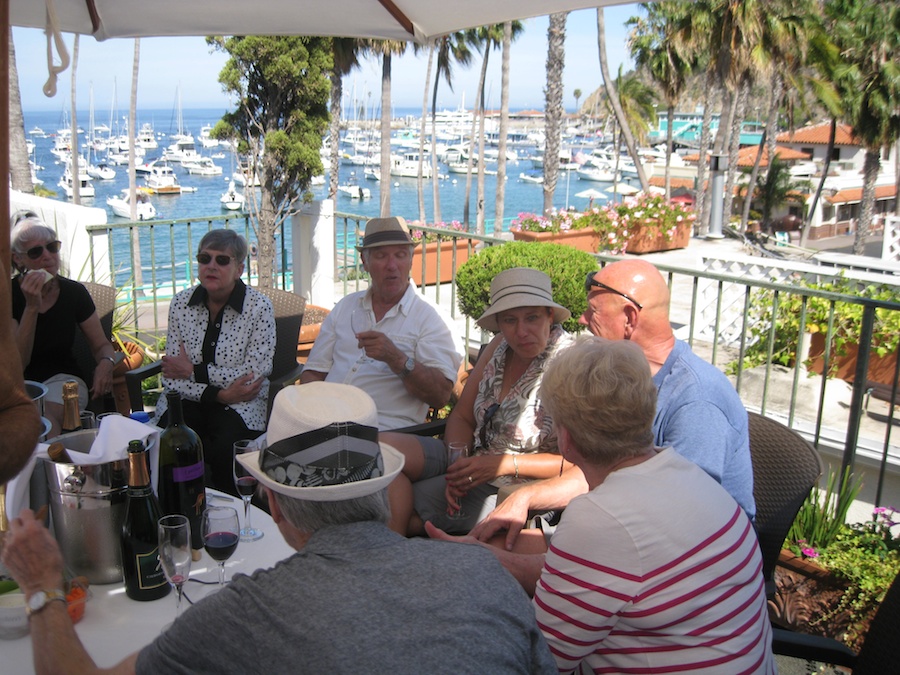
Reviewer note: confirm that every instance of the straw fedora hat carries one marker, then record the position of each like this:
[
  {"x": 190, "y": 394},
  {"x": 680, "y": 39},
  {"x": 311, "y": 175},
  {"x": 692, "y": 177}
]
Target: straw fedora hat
[
  {"x": 391, "y": 231},
  {"x": 322, "y": 445},
  {"x": 520, "y": 287}
]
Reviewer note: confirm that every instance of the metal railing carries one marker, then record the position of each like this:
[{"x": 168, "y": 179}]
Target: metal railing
[{"x": 724, "y": 317}]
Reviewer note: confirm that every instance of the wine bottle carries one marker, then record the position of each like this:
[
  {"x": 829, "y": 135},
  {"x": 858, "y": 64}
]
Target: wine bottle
[
  {"x": 143, "y": 574},
  {"x": 71, "y": 414},
  {"x": 181, "y": 486},
  {"x": 58, "y": 453}
]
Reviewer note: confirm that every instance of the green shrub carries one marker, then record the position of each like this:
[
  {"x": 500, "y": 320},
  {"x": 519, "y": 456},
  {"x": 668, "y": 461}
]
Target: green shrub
[{"x": 566, "y": 266}]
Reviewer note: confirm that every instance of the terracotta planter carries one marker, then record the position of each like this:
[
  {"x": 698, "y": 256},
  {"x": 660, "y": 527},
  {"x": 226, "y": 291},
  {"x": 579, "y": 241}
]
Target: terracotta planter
[
  {"x": 807, "y": 599},
  {"x": 651, "y": 241},
  {"x": 583, "y": 240},
  {"x": 430, "y": 253},
  {"x": 313, "y": 316},
  {"x": 881, "y": 368},
  {"x": 134, "y": 358}
]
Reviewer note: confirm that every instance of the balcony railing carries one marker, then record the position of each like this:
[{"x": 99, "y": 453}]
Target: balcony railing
[{"x": 722, "y": 315}]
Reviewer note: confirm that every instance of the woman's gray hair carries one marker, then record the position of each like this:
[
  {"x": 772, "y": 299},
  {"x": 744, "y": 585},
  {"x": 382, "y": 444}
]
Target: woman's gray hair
[
  {"x": 309, "y": 517},
  {"x": 28, "y": 228},
  {"x": 225, "y": 240}
]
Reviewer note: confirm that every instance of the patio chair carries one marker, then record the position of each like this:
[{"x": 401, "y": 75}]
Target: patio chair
[
  {"x": 289, "y": 308},
  {"x": 104, "y": 298},
  {"x": 879, "y": 651},
  {"x": 785, "y": 468}
]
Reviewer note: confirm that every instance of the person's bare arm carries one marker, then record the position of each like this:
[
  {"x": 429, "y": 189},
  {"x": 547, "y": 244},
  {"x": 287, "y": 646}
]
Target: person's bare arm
[
  {"x": 426, "y": 383},
  {"x": 32, "y": 556},
  {"x": 312, "y": 376},
  {"x": 512, "y": 514},
  {"x": 102, "y": 350}
]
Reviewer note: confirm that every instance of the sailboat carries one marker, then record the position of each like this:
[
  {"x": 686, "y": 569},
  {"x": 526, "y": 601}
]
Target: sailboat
[{"x": 100, "y": 171}]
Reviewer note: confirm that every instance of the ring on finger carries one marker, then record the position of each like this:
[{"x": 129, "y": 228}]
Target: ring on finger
[{"x": 471, "y": 480}]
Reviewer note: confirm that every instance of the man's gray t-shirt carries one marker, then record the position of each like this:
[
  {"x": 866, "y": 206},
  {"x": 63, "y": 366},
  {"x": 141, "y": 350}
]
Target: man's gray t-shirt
[{"x": 361, "y": 599}]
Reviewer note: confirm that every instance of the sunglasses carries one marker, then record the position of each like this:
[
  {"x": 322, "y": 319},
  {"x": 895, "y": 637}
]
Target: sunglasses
[
  {"x": 590, "y": 283},
  {"x": 488, "y": 416},
  {"x": 36, "y": 252},
  {"x": 221, "y": 259}
]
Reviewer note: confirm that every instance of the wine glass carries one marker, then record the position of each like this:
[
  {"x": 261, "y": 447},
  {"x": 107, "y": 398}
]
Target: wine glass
[
  {"x": 175, "y": 552},
  {"x": 245, "y": 482},
  {"x": 456, "y": 451},
  {"x": 361, "y": 322},
  {"x": 221, "y": 532}
]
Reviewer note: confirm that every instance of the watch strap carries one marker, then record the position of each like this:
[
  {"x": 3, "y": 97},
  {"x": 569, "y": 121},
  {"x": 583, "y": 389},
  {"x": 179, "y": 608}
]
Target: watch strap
[{"x": 408, "y": 367}]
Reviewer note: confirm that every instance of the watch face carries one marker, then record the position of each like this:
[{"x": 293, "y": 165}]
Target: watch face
[
  {"x": 410, "y": 365},
  {"x": 37, "y": 601}
]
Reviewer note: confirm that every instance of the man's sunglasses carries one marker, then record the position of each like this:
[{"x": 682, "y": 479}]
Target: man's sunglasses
[
  {"x": 221, "y": 259},
  {"x": 36, "y": 252},
  {"x": 590, "y": 283}
]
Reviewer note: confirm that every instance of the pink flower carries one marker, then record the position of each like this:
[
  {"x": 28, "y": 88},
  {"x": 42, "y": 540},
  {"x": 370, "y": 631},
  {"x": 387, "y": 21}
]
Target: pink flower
[{"x": 809, "y": 552}]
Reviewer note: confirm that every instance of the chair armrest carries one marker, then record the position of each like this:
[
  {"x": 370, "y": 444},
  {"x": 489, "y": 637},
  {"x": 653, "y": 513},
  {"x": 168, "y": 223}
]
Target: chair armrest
[
  {"x": 133, "y": 379},
  {"x": 435, "y": 428},
  {"x": 811, "y": 647}
]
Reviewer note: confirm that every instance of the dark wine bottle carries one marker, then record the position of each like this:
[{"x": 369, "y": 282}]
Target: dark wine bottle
[
  {"x": 181, "y": 486},
  {"x": 144, "y": 577},
  {"x": 71, "y": 414}
]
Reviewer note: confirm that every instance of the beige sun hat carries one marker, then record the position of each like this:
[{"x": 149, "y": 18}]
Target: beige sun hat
[
  {"x": 322, "y": 445},
  {"x": 391, "y": 231},
  {"x": 520, "y": 287}
]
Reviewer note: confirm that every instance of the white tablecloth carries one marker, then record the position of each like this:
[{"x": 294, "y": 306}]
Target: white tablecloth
[{"x": 114, "y": 626}]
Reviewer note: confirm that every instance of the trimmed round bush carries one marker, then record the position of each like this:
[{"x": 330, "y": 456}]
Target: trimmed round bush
[{"x": 566, "y": 266}]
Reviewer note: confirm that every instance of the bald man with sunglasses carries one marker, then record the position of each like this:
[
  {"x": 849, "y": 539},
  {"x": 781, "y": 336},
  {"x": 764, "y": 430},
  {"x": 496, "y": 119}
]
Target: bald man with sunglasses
[{"x": 698, "y": 411}]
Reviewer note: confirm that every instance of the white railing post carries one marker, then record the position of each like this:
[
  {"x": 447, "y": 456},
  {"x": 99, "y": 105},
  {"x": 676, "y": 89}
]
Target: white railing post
[
  {"x": 312, "y": 237},
  {"x": 890, "y": 249}
]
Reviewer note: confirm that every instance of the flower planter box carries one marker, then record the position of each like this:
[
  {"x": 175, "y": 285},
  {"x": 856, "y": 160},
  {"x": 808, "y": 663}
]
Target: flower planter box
[
  {"x": 430, "y": 253},
  {"x": 881, "y": 368},
  {"x": 647, "y": 241},
  {"x": 134, "y": 357},
  {"x": 583, "y": 240},
  {"x": 313, "y": 316}
]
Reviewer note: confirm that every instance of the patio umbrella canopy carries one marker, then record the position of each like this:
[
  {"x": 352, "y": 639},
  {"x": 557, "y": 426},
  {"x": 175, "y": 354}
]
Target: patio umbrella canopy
[{"x": 591, "y": 193}]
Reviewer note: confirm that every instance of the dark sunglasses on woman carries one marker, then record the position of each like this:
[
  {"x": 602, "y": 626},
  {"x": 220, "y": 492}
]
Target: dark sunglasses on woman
[
  {"x": 36, "y": 252},
  {"x": 221, "y": 259}
]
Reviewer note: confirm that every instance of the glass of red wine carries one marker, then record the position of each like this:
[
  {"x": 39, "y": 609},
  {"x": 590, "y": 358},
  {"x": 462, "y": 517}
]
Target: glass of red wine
[
  {"x": 245, "y": 482},
  {"x": 221, "y": 533}
]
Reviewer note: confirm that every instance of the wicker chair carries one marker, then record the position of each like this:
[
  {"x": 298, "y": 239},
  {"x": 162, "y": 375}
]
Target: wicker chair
[
  {"x": 785, "y": 468},
  {"x": 879, "y": 651},
  {"x": 288, "y": 308}
]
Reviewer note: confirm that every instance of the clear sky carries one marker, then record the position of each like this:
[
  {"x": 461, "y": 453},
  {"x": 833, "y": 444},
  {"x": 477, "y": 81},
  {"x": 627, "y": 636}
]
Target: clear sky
[{"x": 167, "y": 63}]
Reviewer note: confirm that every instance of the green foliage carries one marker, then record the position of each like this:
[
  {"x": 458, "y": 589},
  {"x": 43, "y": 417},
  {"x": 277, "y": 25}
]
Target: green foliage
[
  {"x": 822, "y": 515},
  {"x": 847, "y": 320},
  {"x": 567, "y": 268}
]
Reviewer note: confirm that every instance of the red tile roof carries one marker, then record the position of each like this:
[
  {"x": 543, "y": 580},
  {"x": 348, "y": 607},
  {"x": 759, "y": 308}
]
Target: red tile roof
[
  {"x": 854, "y": 195},
  {"x": 660, "y": 181},
  {"x": 747, "y": 155},
  {"x": 818, "y": 134}
]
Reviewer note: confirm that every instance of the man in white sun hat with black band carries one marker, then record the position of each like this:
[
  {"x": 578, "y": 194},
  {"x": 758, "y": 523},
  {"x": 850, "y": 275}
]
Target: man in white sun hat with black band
[
  {"x": 405, "y": 352},
  {"x": 355, "y": 598}
]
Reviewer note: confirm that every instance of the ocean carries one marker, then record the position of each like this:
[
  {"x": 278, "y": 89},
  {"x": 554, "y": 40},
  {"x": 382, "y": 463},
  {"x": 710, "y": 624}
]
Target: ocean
[{"x": 520, "y": 196}]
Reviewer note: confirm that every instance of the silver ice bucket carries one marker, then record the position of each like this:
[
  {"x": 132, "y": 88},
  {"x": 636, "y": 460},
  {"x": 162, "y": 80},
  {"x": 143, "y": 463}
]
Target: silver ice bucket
[
  {"x": 36, "y": 392},
  {"x": 87, "y": 507}
]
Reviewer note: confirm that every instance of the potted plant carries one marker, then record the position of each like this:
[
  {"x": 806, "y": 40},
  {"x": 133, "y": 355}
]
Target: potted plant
[
  {"x": 567, "y": 268},
  {"x": 565, "y": 227},
  {"x": 438, "y": 254}
]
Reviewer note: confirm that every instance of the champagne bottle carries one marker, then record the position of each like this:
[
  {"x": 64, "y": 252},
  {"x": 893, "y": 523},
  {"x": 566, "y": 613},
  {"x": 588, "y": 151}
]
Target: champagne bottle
[
  {"x": 144, "y": 576},
  {"x": 71, "y": 413},
  {"x": 58, "y": 453},
  {"x": 181, "y": 485}
]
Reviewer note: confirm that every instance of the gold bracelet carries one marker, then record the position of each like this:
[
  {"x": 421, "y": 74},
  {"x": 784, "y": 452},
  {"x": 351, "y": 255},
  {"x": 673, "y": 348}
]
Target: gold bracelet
[{"x": 516, "y": 464}]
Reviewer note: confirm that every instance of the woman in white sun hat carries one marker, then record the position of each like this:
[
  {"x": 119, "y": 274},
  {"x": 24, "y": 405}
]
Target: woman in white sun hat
[{"x": 499, "y": 415}]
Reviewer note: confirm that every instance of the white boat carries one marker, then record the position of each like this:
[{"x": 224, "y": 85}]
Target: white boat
[
  {"x": 372, "y": 173},
  {"x": 355, "y": 191},
  {"x": 407, "y": 166},
  {"x": 317, "y": 180},
  {"x": 232, "y": 199},
  {"x": 182, "y": 150},
  {"x": 37, "y": 131},
  {"x": 532, "y": 178},
  {"x": 244, "y": 176},
  {"x": 162, "y": 181},
  {"x": 121, "y": 206},
  {"x": 101, "y": 171},
  {"x": 596, "y": 174},
  {"x": 66, "y": 182},
  {"x": 146, "y": 137},
  {"x": 462, "y": 167},
  {"x": 205, "y": 139},
  {"x": 202, "y": 166}
]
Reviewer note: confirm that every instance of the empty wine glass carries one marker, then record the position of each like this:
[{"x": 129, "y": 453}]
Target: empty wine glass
[
  {"x": 245, "y": 482},
  {"x": 221, "y": 532},
  {"x": 175, "y": 552},
  {"x": 361, "y": 322},
  {"x": 456, "y": 451}
]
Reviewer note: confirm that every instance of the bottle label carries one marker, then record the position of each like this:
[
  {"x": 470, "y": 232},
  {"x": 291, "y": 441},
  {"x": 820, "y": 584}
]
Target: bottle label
[
  {"x": 183, "y": 474},
  {"x": 150, "y": 572}
]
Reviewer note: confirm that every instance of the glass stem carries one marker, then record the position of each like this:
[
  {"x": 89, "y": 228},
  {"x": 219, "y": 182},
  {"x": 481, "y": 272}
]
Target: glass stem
[
  {"x": 222, "y": 573},
  {"x": 247, "y": 525},
  {"x": 178, "y": 594}
]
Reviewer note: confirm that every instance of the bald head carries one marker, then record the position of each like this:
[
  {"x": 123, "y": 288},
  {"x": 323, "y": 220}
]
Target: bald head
[{"x": 632, "y": 303}]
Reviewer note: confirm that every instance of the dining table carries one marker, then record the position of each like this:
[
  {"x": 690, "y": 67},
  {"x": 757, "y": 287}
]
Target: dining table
[{"x": 114, "y": 626}]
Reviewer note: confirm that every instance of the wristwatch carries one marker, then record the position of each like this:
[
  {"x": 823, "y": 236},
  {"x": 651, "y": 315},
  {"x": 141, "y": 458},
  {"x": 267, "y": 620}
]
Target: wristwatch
[
  {"x": 41, "y": 599},
  {"x": 408, "y": 367}
]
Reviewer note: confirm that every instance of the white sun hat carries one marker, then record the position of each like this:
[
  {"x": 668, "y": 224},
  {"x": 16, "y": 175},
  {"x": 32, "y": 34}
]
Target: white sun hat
[{"x": 322, "y": 445}]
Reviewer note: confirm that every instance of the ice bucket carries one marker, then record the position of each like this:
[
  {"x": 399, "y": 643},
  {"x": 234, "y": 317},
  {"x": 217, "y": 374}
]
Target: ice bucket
[
  {"x": 87, "y": 507},
  {"x": 36, "y": 392}
]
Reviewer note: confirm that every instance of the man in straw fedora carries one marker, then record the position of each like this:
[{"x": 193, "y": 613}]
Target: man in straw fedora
[
  {"x": 388, "y": 340},
  {"x": 356, "y": 597}
]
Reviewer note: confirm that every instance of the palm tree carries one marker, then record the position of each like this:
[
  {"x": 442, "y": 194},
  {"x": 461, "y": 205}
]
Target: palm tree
[
  {"x": 19, "y": 171},
  {"x": 655, "y": 44},
  {"x": 613, "y": 99},
  {"x": 75, "y": 153},
  {"x": 776, "y": 188},
  {"x": 553, "y": 104},
  {"x": 137, "y": 271},
  {"x": 577, "y": 95},
  {"x": 387, "y": 49},
  {"x": 420, "y": 183},
  {"x": 345, "y": 53},
  {"x": 868, "y": 37},
  {"x": 504, "y": 128}
]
